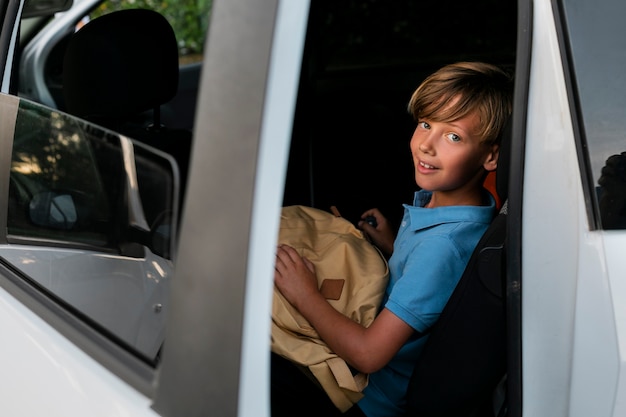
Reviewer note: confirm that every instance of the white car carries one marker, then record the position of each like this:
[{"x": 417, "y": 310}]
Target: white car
[{"x": 298, "y": 102}]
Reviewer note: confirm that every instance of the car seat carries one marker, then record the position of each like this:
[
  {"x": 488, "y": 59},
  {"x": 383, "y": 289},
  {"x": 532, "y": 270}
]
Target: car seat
[
  {"x": 118, "y": 70},
  {"x": 464, "y": 359}
]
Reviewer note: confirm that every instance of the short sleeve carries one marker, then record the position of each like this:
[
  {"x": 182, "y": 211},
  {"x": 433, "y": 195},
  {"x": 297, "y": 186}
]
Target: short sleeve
[{"x": 427, "y": 279}]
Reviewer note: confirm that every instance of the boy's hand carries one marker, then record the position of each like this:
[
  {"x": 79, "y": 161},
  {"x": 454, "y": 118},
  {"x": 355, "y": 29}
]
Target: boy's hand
[
  {"x": 294, "y": 276},
  {"x": 382, "y": 236}
]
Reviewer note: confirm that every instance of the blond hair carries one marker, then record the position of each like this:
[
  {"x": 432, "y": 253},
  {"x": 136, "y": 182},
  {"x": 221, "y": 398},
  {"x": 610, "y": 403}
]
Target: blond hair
[{"x": 463, "y": 88}]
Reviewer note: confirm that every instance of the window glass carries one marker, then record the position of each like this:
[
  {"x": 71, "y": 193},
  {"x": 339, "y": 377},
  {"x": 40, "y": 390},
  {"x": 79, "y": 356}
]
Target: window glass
[
  {"x": 56, "y": 189},
  {"x": 91, "y": 219},
  {"x": 70, "y": 181},
  {"x": 598, "y": 40}
]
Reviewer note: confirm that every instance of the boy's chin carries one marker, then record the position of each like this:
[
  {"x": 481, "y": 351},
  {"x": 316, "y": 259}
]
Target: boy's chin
[{"x": 424, "y": 184}]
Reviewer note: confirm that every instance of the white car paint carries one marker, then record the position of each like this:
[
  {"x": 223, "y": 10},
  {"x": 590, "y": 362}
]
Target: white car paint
[{"x": 43, "y": 373}]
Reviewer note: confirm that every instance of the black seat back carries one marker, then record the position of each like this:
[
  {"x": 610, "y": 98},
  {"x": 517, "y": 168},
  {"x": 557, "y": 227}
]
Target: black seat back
[
  {"x": 464, "y": 358},
  {"x": 118, "y": 70},
  {"x": 119, "y": 65}
]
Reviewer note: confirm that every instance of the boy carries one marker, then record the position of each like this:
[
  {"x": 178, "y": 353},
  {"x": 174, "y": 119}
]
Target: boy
[{"x": 460, "y": 111}]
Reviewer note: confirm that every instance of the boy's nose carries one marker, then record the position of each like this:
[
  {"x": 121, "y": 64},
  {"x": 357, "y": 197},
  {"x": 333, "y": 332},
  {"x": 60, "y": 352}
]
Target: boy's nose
[{"x": 426, "y": 144}]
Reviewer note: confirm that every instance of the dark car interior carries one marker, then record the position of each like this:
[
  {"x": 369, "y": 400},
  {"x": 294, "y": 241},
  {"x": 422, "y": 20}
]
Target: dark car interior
[{"x": 350, "y": 145}]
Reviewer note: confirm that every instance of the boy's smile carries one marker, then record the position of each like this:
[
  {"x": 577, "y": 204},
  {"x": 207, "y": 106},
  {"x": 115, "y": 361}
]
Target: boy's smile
[{"x": 426, "y": 167}]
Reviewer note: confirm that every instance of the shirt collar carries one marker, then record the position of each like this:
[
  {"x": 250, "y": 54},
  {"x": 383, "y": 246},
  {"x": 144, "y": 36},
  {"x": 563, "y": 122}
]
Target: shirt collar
[{"x": 421, "y": 217}]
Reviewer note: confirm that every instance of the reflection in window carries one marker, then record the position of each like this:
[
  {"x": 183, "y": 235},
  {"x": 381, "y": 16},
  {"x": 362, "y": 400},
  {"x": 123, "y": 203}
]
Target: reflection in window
[
  {"x": 69, "y": 183},
  {"x": 612, "y": 192},
  {"x": 53, "y": 156},
  {"x": 597, "y": 39}
]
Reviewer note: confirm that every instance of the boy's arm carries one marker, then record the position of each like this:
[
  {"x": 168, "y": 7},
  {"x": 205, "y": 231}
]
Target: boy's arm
[{"x": 366, "y": 349}]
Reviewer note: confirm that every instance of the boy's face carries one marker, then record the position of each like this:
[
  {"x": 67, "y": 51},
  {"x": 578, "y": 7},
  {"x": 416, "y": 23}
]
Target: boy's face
[{"x": 450, "y": 158}]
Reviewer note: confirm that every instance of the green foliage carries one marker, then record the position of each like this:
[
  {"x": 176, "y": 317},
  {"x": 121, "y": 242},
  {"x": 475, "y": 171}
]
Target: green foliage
[{"x": 189, "y": 18}]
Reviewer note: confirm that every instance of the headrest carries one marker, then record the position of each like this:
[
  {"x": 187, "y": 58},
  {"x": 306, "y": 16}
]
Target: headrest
[{"x": 120, "y": 64}]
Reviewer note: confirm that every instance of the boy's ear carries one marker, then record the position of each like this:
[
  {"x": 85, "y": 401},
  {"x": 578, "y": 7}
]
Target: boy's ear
[{"x": 491, "y": 159}]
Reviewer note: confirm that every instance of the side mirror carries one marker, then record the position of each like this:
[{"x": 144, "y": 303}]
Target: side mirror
[{"x": 53, "y": 210}]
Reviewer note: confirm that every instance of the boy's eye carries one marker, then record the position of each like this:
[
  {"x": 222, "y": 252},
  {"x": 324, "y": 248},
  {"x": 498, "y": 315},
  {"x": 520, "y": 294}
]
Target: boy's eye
[
  {"x": 454, "y": 137},
  {"x": 424, "y": 125}
]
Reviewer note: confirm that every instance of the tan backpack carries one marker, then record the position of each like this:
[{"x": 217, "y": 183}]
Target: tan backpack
[{"x": 352, "y": 274}]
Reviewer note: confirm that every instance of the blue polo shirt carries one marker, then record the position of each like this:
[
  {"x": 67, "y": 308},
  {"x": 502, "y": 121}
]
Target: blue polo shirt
[{"x": 430, "y": 253}]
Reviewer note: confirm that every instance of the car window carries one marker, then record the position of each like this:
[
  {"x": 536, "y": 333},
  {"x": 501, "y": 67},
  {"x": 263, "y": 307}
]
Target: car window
[
  {"x": 72, "y": 182},
  {"x": 56, "y": 191},
  {"x": 90, "y": 220},
  {"x": 596, "y": 37}
]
